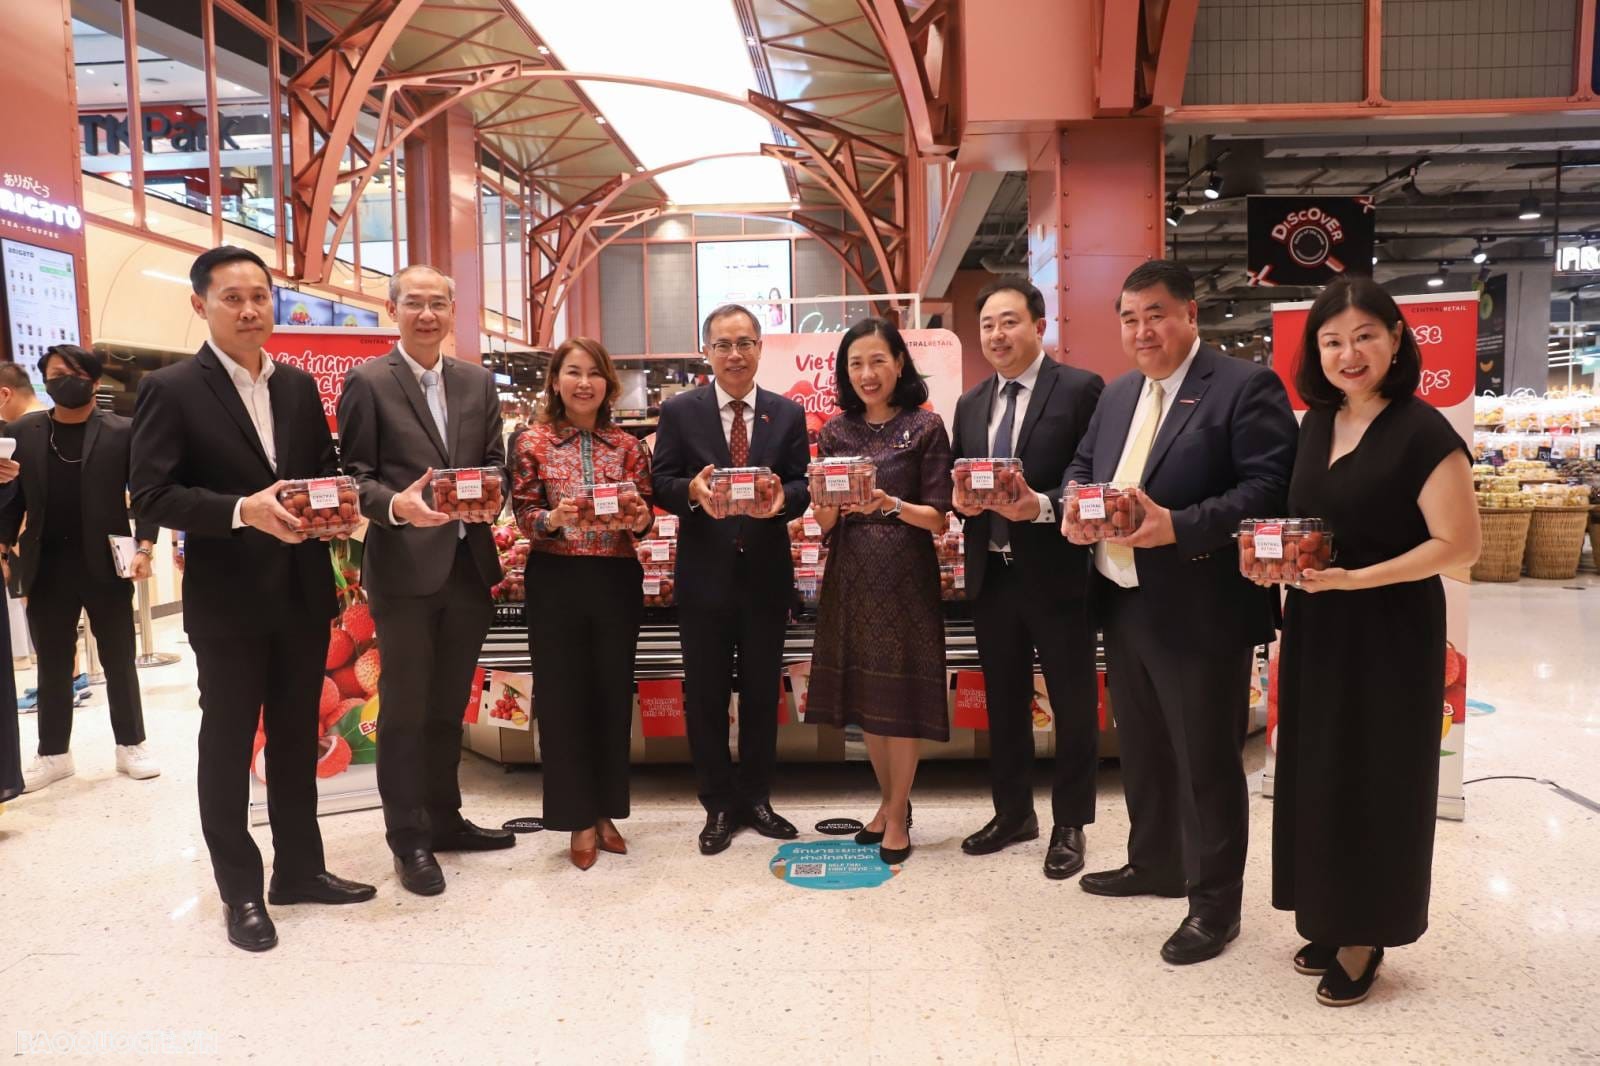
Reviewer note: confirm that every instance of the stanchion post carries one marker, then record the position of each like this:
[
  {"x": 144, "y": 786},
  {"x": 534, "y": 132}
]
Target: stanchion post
[{"x": 148, "y": 656}]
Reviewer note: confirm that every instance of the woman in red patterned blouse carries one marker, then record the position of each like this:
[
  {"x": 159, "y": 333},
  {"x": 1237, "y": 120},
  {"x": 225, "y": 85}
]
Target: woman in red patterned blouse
[{"x": 584, "y": 628}]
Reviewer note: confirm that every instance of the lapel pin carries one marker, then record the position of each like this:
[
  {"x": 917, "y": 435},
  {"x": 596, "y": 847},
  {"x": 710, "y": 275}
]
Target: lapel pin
[
  {"x": 1189, "y": 401},
  {"x": 766, "y": 418}
]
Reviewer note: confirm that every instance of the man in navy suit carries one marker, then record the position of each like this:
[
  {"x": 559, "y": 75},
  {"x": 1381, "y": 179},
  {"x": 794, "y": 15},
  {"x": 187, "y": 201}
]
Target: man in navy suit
[
  {"x": 1210, "y": 441},
  {"x": 735, "y": 577},
  {"x": 1027, "y": 584}
]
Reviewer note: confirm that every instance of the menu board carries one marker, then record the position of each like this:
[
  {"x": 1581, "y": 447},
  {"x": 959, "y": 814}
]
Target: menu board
[{"x": 41, "y": 301}]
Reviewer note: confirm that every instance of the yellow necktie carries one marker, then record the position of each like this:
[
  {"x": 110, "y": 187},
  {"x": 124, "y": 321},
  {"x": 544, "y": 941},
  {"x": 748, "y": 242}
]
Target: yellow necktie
[{"x": 1131, "y": 469}]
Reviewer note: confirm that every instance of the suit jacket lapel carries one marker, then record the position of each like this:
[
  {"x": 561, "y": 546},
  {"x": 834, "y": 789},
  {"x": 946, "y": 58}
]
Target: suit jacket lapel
[
  {"x": 227, "y": 394},
  {"x": 976, "y": 431},
  {"x": 719, "y": 440},
  {"x": 762, "y": 428},
  {"x": 91, "y": 434},
  {"x": 419, "y": 403},
  {"x": 1194, "y": 386},
  {"x": 455, "y": 404},
  {"x": 1041, "y": 394},
  {"x": 1118, "y": 420},
  {"x": 282, "y": 418}
]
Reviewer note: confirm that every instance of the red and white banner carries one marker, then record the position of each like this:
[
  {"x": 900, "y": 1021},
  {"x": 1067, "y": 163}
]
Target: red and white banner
[
  {"x": 328, "y": 355},
  {"x": 800, "y": 366},
  {"x": 1446, "y": 329}
]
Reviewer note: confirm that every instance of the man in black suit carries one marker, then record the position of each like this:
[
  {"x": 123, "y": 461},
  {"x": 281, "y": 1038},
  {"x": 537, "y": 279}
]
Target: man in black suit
[
  {"x": 214, "y": 438},
  {"x": 72, "y": 496},
  {"x": 735, "y": 578},
  {"x": 427, "y": 575},
  {"x": 1211, "y": 441},
  {"x": 1026, "y": 583}
]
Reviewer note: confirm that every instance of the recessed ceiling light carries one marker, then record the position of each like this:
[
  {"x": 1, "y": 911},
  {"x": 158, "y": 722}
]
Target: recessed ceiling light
[
  {"x": 599, "y": 120},
  {"x": 543, "y": 50},
  {"x": 88, "y": 70},
  {"x": 638, "y": 168}
]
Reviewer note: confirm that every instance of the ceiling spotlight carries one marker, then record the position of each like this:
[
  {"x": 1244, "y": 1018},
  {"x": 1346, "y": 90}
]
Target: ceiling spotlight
[
  {"x": 751, "y": 41},
  {"x": 1213, "y": 187},
  {"x": 599, "y": 120},
  {"x": 1267, "y": 338},
  {"x": 543, "y": 50},
  {"x": 88, "y": 70},
  {"x": 1227, "y": 312},
  {"x": 1374, "y": 259},
  {"x": 638, "y": 168},
  {"x": 1437, "y": 280},
  {"x": 1175, "y": 213},
  {"x": 1480, "y": 254},
  {"x": 1528, "y": 209}
]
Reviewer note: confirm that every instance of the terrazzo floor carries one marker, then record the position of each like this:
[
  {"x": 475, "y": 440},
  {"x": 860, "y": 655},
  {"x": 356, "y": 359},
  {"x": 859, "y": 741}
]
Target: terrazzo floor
[{"x": 112, "y": 941}]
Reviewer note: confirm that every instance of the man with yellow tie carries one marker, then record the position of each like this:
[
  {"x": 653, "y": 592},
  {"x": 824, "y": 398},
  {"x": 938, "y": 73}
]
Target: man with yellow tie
[{"x": 1208, "y": 441}]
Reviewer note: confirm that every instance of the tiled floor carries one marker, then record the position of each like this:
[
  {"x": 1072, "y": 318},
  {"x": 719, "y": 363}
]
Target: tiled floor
[{"x": 110, "y": 928}]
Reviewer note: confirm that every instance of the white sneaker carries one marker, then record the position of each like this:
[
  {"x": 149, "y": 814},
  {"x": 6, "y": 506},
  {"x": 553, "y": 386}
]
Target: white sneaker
[
  {"x": 136, "y": 761},
  {"x": 46, "y": 770}
]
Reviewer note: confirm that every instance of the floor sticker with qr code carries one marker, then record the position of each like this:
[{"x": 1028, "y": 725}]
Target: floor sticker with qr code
[{"x": 834, "y": 864}]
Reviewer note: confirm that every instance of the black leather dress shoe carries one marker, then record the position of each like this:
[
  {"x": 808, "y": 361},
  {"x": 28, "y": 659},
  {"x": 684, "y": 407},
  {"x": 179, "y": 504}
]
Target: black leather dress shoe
[
  {"x": 1197, "y": 940},
  {"x": 1001, "y": 833},
  {"x": 764, "y": 820},
  {"x": 419, "y": 872},
  {"x": 1065, "y": 854},
  {"x": 323, "y": 888},
  {"x": 250, "y": 928},
  {"x": 718, "y": 832},
  {"x": 1128, "y": 882},
  {"x": 469, "y": 837}
]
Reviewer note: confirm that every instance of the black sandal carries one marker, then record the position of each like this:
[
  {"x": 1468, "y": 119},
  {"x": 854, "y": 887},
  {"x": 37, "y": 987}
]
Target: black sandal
[
  {"x": 1313, "y": 959},
  {"x": 1339, "y": 989}
]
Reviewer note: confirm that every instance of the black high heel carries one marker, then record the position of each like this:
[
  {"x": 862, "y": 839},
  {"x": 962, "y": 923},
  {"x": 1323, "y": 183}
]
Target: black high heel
[
  {"x": 1339, "y": 989},
  {"x": 867, "y": 836},
  {"x": 895, "y": 856},
  {"x": 1314, "y": 959}
]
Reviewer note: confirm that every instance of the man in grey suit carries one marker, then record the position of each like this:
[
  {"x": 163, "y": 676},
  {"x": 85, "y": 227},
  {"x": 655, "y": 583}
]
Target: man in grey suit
[{"x": 427, "y": 575}]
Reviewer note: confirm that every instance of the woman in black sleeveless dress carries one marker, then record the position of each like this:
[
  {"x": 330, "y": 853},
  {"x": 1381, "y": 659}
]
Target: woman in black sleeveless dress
[
  {"x": 878, "y": 655},
  {"x": 1361, "y": 677}
]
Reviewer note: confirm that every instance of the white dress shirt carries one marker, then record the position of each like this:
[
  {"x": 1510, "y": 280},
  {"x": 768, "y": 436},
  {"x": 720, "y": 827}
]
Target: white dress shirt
[
  {"x": 1128, "y": 576},
  {"x": 417, "y": 370},
  {"x": 724, "y": 399},
  {"x": 257, "y": 399},
  {"x": 1027, "y": 379}
]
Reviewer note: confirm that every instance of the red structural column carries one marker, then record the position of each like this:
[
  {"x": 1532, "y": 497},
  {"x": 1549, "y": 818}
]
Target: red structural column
[
  {"x": 1094, "y": 213},
  {"x": 442, "y": 225}
]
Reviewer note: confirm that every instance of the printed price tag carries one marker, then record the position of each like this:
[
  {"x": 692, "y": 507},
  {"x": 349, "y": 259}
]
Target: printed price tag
[
  {"x": 324, "y": 493},
  {"x": 961, "y": 577},
  {"x": 744, "y": 486},
  {"x": 1544, "y": 453},
  {"x": 652, "y": 586},
  {"x": 1497, "y": 458},
  {"x": 667, "y": 525},
  {"x": 811, "y": 554},
  {"x": 605, "y": 499},
  {"x": 812, "y": 528},
  {"x": 982, "y": 475},
  {"x": 808, "y": 585},
  {"x": 1091, "y": 503},
  {"x": 660, "y": 551},
  {"x": 836, "y": 478},
  {"x": 469, "y": 484},
  {"x": 1269, "y": 542}
]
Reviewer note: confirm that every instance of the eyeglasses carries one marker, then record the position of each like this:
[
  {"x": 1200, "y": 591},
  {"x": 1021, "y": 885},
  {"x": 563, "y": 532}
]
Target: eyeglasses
[
  {"x": 438, "y": 307},
  {"x": 744, "y": 345}
]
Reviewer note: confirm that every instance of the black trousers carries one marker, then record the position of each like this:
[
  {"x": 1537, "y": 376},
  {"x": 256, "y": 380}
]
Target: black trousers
[
  {"x": 1182, "y": 710},
  {"x": 61, "y": 591},
  {"x": 582, "y": 637},
  {"x": 278, "y": 678},
  {"x": 748, "y": 636},
  {"x": 1011, "y": 620},
  {"x": 429, "y": 647}
]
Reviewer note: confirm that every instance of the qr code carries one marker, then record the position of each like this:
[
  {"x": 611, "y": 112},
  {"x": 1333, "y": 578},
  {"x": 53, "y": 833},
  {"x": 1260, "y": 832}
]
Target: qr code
[{"x": 809, "y": 869}]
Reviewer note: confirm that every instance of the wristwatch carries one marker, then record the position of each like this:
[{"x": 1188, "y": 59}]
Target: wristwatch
[
  {"x": 894, "y": 512},
  {"x": 148, "y": 553}
]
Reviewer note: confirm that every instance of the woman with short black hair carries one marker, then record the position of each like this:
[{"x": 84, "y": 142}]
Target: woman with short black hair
[
  {"x": 65, "y": 563},
  {"x": 1363, "y": 662}
]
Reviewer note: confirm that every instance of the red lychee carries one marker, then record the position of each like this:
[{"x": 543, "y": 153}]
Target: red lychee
[
  {"x": 341, "y": 648},
  {"x": 367, "y": 669},
  {"x": 357, "y": 621}
]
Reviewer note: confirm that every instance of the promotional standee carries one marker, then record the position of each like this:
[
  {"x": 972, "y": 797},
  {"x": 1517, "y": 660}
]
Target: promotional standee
[
  {"x": 347, "y": 713},
  {"x": 1446, "y": 329}
]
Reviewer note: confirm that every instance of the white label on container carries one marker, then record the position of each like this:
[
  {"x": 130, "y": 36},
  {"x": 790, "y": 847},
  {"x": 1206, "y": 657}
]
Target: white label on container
[
  {"x": 652, "y": 586},
  {"x": 808, "y": 585},
  {"x": 810, "y": 527},
  {"x": 744, "y": 486},
  {"x": 469, "y": 484},
  {"x": 811, "y": 554},
  {"x": 660, "y": 551},
  {"x": 961, "y": 577},
  {"x": 982, "y": 475},
  {"x": 836, "y": 478},
  {"x": 667, "y": 525},
  {"x": 324, "y": 493},
  {"x": 1269, "y": 542},
  {"x": 605, "y": 499},
  {"x": 1091, "y": 503}
]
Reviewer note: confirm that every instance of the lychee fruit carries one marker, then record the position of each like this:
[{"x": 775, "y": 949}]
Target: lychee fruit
[
  {"x": 331, "y": 716},
  {"x": 357, "y": 621},
  {"x": 367, "y": 669},
  {"x": 333, "y": 755},
  {"x": 330, "y": 698},
  {"x": 349, "y": 687},
  {"x": 341, "y": 648}
]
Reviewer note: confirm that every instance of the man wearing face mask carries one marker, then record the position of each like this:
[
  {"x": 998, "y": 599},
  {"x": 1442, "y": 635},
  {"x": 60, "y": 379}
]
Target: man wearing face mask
[{"x": 71, "y": 472}]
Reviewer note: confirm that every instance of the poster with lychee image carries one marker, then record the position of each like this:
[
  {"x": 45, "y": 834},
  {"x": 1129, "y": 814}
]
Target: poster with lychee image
[
  {"x": 509, "y": 703},
  {"x": 347, "y": 706}
]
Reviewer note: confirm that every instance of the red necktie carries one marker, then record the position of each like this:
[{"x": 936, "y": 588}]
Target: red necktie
[{"x": 739, "y": 436}]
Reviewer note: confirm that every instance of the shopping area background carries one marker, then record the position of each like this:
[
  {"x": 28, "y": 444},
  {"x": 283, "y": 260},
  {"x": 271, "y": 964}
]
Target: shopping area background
[{"x": 1265, "y": 146}]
